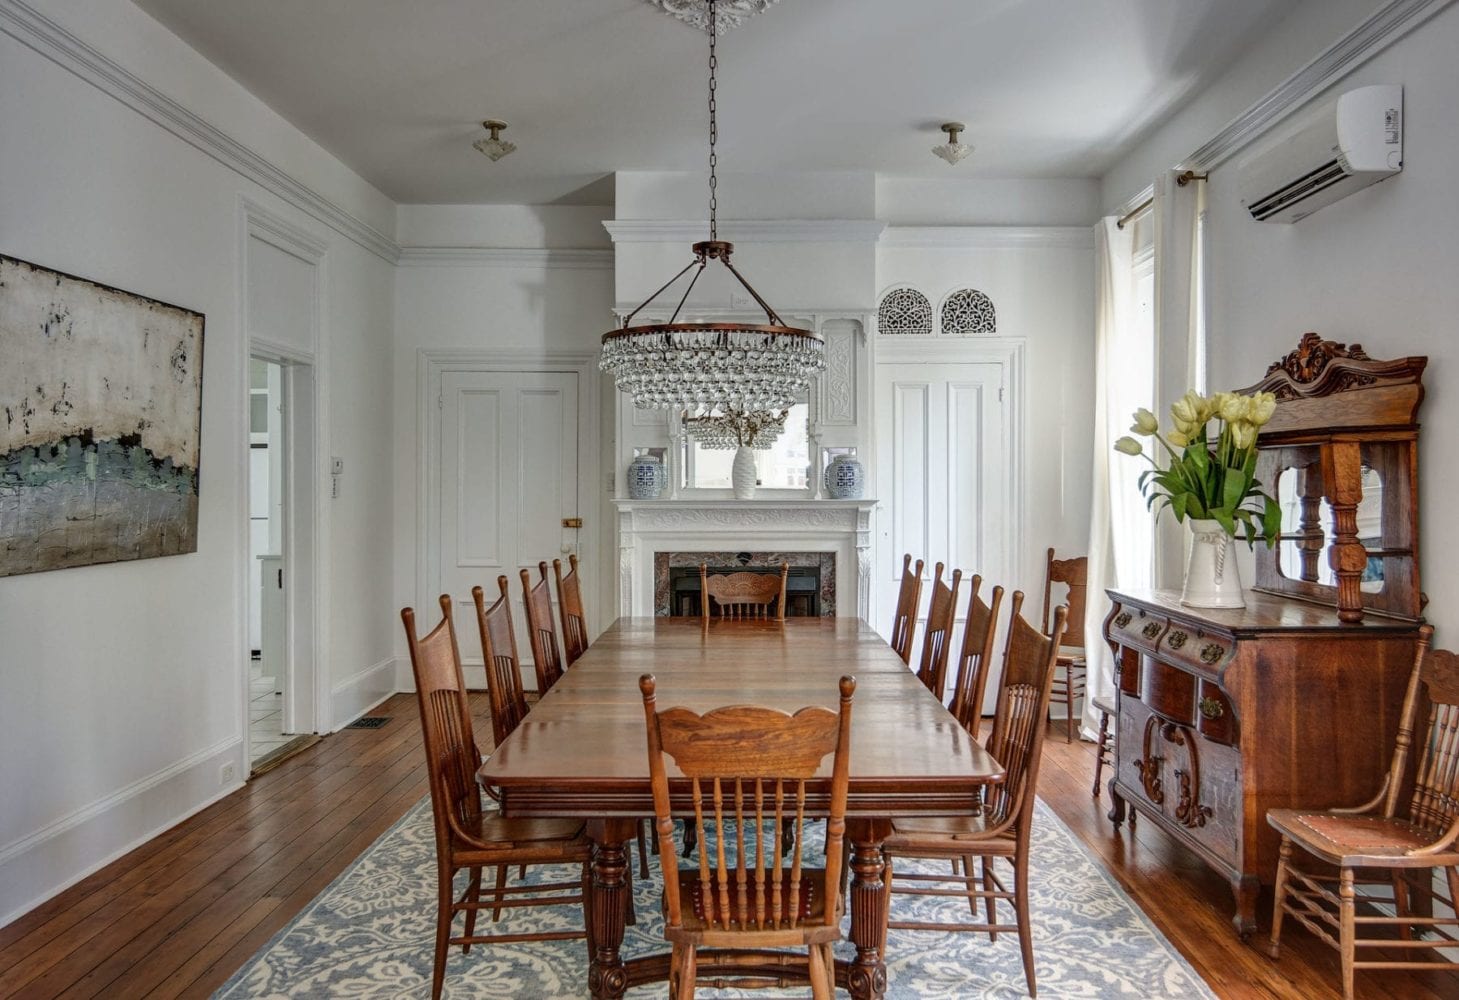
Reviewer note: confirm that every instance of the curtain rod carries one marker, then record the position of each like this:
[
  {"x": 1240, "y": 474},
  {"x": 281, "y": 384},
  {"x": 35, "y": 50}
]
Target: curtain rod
[{"x": 1183, "y": 178}]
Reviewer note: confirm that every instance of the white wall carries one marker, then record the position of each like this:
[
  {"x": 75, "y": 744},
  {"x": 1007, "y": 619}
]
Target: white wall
[
  {"x": 1376, "y": 268},
  {"x": 121, "y": 686}
]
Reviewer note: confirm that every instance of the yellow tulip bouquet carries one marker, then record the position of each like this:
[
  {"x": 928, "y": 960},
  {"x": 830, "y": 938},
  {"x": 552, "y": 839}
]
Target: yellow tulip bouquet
[{"x": 1206, "y": 478}]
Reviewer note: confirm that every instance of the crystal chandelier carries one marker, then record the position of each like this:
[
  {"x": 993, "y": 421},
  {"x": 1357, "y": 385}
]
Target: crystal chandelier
[
  {"x": 737, "y": 429},
  {"x": 953, "y": 151},
  {"x": 712, "y": 369}
]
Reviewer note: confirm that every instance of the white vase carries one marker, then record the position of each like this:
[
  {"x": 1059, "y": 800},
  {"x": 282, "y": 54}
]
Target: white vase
[
  {"x": 744, "y": 473},
  {"x": 1212, "y": 579}
]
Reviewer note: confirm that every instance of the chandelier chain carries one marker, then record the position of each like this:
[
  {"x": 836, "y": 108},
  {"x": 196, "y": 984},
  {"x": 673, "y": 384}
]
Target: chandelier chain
[{"x": 713, "y": 126}]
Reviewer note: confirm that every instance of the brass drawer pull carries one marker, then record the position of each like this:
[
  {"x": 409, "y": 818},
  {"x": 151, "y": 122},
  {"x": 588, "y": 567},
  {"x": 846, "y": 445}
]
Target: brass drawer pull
[
  {"x": 1212, "y": 708},
  {"x": 1151, "y": 630},
  {"x": 1177, "y": 639},
  {"x": 1211, "y": 653},
  {"x": 1122, "y": 619}
]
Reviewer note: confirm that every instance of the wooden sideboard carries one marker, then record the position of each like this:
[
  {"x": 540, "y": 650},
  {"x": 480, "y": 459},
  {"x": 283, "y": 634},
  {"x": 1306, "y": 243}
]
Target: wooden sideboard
[{"x": 1226, "y": 714}]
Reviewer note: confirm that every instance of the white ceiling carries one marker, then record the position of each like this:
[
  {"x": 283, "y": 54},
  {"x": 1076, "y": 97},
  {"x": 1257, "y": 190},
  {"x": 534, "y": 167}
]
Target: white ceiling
[{"x": 1048, "y": 88}]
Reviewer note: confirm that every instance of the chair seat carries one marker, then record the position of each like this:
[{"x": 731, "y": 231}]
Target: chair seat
[
  {"x": 1105, "y": 706},
  {"x": 808, "y": 905},
  {"x": 955, "y": 834},
  {"x": 1353, "y": 840},
  {"x": 1070, "y": 656},
  {"x": 540, "y": 837}
]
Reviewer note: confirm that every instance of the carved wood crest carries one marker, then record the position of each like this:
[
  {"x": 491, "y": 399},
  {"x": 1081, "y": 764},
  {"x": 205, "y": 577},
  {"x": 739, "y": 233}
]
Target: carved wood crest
[{"x": 1321, "y": 367}]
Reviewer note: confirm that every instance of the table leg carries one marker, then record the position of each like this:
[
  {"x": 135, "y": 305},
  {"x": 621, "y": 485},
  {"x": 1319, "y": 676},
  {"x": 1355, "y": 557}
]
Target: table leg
[
  {"x": 605, "y": 912},
  {"x": 866, "y": 979}
]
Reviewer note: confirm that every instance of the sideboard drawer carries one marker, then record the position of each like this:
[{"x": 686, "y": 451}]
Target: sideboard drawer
[
  {"x": 1202, "y": 651},
  {"x": 1168, "y": 691},
  {"x": 1137, "y": 628},
  {"x": 1215, "y": 719}
]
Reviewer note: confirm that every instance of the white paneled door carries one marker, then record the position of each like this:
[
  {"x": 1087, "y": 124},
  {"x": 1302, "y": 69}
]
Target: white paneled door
[
  {"x": 942, "y": 474},
  {"x": 508, "y": 482}
]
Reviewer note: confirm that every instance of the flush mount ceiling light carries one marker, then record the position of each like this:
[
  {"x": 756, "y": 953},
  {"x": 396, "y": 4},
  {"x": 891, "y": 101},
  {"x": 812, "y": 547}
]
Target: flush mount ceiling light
[
  {"x": 953, "y": 151},
  {"x": 712, "y": 369},
  {"x": 494, "y": 146}
]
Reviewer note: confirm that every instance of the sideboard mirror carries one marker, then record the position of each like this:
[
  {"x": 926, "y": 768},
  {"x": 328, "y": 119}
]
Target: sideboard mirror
[{"x": 1340, "y": 455}]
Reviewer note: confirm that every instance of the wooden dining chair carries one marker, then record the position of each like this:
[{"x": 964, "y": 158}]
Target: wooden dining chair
[
  {"x": 541, "y": 633},
  {"x": 467, "y": 837},
  {"x": 937, "y": 635},
  {"x": 747, "y": 768},
  {"x": 742, "y": 595},
  {"x": 570, "y": 608},
  {"x": 1002, "y": 825},
  {"x": 1069, "y": 680},
  {"x": 503, "y": 669},
  {"x": 904, "y": 622},
  {"x": 1406, "y": 832},
  {"x": 975, "y": 660}
]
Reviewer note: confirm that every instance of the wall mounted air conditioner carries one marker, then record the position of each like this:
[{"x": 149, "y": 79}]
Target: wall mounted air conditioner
[{"x": 1344, "y": 145}]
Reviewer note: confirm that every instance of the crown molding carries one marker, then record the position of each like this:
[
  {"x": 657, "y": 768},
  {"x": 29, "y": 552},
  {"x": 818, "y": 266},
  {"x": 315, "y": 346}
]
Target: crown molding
[
  {"x": 1382, "y": 29},
  {"x": 987, "y": 237},
  {"x": 577, "y": 260},
  {"x": 745, "y": 230},
  {"x": 36, "y": 31}
]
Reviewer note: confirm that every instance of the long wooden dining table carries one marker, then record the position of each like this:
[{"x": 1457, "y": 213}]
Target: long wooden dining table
[{"x": 582, "y": 752}]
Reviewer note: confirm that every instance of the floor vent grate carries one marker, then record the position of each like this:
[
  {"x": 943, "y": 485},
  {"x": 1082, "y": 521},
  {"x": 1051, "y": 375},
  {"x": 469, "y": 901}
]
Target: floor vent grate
[{"x": 369, "y": 722}]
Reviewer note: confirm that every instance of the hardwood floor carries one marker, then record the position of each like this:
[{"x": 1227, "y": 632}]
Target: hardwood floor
[{"x": 177, "y": 916}]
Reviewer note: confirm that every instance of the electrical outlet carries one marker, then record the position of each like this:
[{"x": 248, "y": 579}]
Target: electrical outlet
[{"x": 226, "y": 774}]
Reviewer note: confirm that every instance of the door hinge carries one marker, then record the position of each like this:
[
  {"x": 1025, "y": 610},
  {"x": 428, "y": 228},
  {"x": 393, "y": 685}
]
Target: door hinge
[
  {"x": 1000, "y": 394},
  {"x": 440, "y": 402},
  {"x": 572, "y": 522},
  {"x": 281, "y": 579}
]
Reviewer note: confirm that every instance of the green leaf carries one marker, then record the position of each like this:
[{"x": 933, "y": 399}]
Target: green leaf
[
  {"x": 1224, "y": 518},
  {"x": 1271, "y": 522},
  {"x": 1198, "y": 456},
  {"x": 1177, "y": 504},
  {"x": 1234, "y": 492}
]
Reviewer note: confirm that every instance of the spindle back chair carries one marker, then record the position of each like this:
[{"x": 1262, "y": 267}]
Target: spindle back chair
[
  {"x": 904, "y": 620},
  {"x": 1069, "y": 680},
  {"x": 975, "y": 660},
  {"x": 503, "y": 668},
  {"x": 541, "y": 633},
  {"x": 570, "y": 608},
  {"x": 742, "y": 595},
  {"x": 937, "y": 635}
]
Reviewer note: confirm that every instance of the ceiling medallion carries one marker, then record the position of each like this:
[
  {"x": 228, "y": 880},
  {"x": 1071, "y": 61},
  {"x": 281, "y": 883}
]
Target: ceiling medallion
[
  {"x": 730, "y": 13},
  {"x": 953, "y": 151},
  {"x": 712, "y": 369}
]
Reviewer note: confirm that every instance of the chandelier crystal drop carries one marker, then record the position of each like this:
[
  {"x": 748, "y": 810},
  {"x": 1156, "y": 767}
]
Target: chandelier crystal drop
[{"x": 713, "y": 369}]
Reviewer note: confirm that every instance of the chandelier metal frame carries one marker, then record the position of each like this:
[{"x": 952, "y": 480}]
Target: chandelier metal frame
[{"x": 774, "y": 361}]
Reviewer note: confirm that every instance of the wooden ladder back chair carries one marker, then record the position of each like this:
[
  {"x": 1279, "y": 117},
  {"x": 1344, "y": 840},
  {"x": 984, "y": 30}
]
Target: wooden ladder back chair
[
  {"x": 747, "y": 770},
  {"x": 541, "y": 633},
  {"x": 1070, "y": 679},
  {"x": 468, "y": 837},
  {"x": 937, "y": 637},
  {"x": 570, "y": 608},
  {"x": 975, "y": 661},
  {"x": 904, "y": 622},
  {"x": 1406, "y": 832},
  {"x": 1001, "y": 825},
  {"x": 743, "y": 595},
  {"x": 503, "y": 668}
]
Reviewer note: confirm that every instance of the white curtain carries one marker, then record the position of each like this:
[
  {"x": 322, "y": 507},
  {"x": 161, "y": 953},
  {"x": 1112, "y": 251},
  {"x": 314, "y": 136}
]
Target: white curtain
[{"x": 1119, "y": 527}]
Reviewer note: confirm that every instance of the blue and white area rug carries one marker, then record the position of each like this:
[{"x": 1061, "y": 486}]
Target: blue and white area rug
[{"x": 370, "y": 934}]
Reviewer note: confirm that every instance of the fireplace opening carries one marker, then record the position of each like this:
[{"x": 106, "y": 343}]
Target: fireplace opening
[{"x": 810, "y": 584}]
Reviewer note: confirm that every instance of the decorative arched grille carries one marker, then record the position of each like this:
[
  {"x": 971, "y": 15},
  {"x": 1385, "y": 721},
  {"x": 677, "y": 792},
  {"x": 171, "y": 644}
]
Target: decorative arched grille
[
  {"x": 904, "y": 311},
  {"x": 968, "y": 311}
]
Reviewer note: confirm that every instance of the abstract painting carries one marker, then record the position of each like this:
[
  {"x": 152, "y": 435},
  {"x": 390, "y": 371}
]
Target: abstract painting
[{"x": 101, "y": 399}]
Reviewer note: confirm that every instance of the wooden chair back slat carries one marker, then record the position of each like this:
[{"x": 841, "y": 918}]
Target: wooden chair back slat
[
  {"x": 904, "y": 621},
  {"x": 1073, "y": 574},
  {"x": 541, "y": 633},
  {"x": 745, "y": 752},
  {"x": 742, "y": 595},
  {"x": 570, "y": 609},
  {"x": 975, "y": 660},
  {"x": 1029, "y": 658},
  {"x": 937, "y": 637},
  {"x": 499, "y": 655},
  {"x": 1433, "y": 693},
  {"x": 452, "y": 757}
]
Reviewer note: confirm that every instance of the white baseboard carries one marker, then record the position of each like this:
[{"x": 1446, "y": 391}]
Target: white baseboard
[
  {"x": 356, "y": 695},
  {"x": 60, "y": 854}
]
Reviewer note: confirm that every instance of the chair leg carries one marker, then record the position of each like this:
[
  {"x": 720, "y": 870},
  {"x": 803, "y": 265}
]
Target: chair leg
[
  {"x": 968, "y": 871},
  {"x": 642, "y": 849},
  {"x": 1284, "y": 860},
  {"x": 821, "y": 988},
  {"x": 1100, "y": 750},
  {"x": 1347, "y": 910},
  {"x": 1025, "y": 931},
  {"x": 1400, "y": 903},
  {"x": 473, "y": 895},
  {"x": 988, "y": 901},
  {"x": 687, "y": 969},
  {"x": 630, "y": 915},
  {"x": 501, "y": 883},
  {"x": 444, "y": 917}
]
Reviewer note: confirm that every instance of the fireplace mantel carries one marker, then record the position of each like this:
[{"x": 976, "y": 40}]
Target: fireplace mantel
[{"x": 842, "y": 527}]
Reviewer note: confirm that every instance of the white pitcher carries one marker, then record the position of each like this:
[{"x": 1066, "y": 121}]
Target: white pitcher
[{"x": 1211, "y": 576}]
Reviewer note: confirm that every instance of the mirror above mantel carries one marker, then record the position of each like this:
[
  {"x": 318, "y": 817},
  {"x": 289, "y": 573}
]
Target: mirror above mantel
[{"x": 1341, "y": 452}]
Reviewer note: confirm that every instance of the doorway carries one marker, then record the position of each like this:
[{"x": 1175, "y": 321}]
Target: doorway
[{"x": 281, "y": 560}]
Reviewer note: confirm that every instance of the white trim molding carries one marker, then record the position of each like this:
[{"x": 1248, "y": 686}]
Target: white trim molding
[
  {"x": 532, "y": 257},
  {"x": 986, "y": 237},
  {"x": 357, "y": 694},
  {"x": 36, "y": 31},
  {"x": 1386, "y": 25},
  {"x": 745, "y": 230}
]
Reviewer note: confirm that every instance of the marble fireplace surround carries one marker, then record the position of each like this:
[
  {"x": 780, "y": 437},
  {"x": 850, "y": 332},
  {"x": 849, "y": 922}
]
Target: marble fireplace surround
[
  {"x": 823, "y": 562},
  {"x": 839, "y": 527}
]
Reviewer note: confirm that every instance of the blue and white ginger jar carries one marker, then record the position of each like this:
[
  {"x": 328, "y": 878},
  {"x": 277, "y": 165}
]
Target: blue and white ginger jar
[
  {"x": 844, "y": 478},
  {"x": 646, "y": 478}
]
